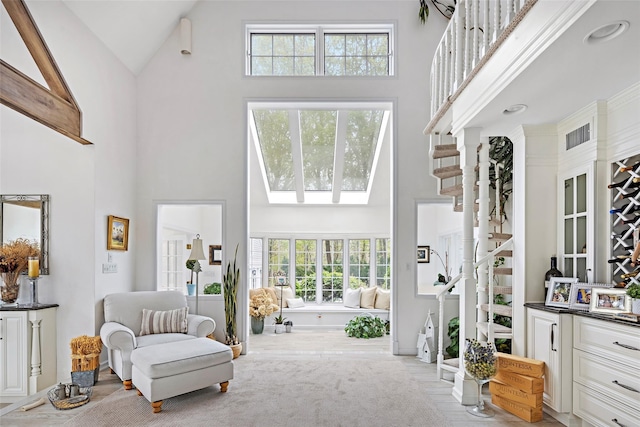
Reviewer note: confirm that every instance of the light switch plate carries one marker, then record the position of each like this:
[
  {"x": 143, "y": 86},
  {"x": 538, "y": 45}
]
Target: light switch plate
[{"x": 109, "y": 268}]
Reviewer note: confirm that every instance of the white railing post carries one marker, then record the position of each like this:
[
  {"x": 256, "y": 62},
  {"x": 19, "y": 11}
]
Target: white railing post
[
  {"x": 440, "y": 358},
  {"x": 490, "y": 325},
  {"x": 486, "y": 30},
  {"x": 467, "y": 38},
  {"x": 483, "y": 227},
  {"x": 459, "y": 52},
  {"x": 496, "y": 21},
  {"x": 475, "y": 5}
]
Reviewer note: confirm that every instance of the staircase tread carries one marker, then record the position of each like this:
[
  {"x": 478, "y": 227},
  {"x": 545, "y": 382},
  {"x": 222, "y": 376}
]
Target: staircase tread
[
  {"x": 447, "y": 171},
  {"x": 499, "y": 236},
  {"x": 504, "y": 271},
  {"x": 501, "y": 330},
  {"x": 504, "y": 290},
  {"x": 445, "y": 150},
  {"x": 502, "y": 310},
  {"x": 505, "y": 253},
  {"x": 458, "y": 208}
]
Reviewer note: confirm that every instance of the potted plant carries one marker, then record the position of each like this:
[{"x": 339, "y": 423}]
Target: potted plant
[
  {"x": 14, "y": 260},
  {"x": 231, "y": 280},
  {"x": 214, "y": 288},
  {"x": 260, "y": 306},
  {"x": 191, "y": 287},
  {"x": 280, "y": 322},
  {"x": 633, "y": 290}
]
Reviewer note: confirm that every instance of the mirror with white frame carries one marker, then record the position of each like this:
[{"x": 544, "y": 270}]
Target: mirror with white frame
[
  {"x": 439, "y": 232},
  {"x": 26, "y": 216},
  {"x": 178, "y": 224}
]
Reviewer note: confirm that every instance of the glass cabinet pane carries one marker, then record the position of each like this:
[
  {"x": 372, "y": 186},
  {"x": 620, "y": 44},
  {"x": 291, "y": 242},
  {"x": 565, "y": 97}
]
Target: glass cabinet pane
[
  {"x": 568, "y": 196},
  {"x": 581, "y": 238},
  {"x": 581, "y": 193},
  {"x": 568, "y": 236},
  {"x": 582, "y": 269},
  {"x": 568, "y": 267}
]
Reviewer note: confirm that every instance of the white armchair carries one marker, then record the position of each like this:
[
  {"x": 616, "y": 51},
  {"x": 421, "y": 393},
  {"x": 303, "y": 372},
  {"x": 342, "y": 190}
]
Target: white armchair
[{"x": 123, "y": 322}]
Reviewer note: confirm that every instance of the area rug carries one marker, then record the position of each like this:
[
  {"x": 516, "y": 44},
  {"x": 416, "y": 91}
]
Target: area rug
[{"x": 313, "y": 392}]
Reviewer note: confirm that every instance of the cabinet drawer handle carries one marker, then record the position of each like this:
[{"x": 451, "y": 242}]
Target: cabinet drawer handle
[
  {"x": 625, "y": 386},
  {"x": 626, "y": 346},
  {"x": 615, "y": 420},
  {"x": 552, "y": 336}
]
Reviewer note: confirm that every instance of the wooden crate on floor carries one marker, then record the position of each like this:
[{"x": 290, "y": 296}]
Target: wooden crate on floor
[
  {"x": 521, "y": 382},
  {"x": 520, "y": 365},
  {"x": 524, "y": 412},
  {"x": 533, "y": 400}
]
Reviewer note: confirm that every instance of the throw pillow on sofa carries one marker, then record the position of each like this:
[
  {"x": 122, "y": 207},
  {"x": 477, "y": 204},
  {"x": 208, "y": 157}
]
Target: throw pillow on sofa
[
  {"x": 368, "y": 297},
  {"x": 164, "y": 322},
  {"x": 295, "y": 302},
  {"x": 282, "y": 293},
  {"x": 352, "y": 298},
  {"x": 383, "y": 299}
]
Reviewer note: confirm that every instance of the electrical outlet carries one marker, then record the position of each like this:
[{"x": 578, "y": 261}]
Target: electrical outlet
[{"x": 109, "y": 268}]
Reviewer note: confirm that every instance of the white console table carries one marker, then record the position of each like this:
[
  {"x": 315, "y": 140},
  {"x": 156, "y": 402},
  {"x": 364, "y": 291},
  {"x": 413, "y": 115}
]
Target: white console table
[{"x": 27, "y": 350}]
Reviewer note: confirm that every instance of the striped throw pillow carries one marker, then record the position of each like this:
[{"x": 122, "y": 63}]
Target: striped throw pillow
[{"x": 164, "y": 322}]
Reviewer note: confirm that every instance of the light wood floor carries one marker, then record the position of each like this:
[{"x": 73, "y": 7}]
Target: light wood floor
[{"x": 334, "y": 344}]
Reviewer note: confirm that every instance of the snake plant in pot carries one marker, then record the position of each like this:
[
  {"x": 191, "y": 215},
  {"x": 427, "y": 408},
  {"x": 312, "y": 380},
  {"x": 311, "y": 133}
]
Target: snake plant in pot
[{"x": 231, "y": 281}]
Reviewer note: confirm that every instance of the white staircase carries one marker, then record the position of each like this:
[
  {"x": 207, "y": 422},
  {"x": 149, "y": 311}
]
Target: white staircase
[{"x": 494, "y": 269}]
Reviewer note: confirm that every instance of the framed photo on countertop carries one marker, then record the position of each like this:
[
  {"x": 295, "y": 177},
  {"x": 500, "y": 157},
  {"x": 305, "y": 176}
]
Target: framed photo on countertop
[{"x": 560, "y": 291}]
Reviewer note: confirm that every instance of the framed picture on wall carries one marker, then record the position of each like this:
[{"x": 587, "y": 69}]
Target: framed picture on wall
[
  {"x": 423, "y": 254},
  {"x": 580, "y": 296},
  {"x": 560, "y": 291},
  {"x": 215, "y": 254},
  {"x": 117, "y": 233},
  {"x": 610, "y": 300}
]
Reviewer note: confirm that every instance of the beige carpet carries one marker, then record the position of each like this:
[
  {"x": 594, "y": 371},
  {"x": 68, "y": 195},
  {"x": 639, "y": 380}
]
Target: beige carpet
[{"x": 285, "y": 392}]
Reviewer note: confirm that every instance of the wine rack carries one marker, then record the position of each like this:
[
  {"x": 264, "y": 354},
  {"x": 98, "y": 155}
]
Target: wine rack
[{"x": 625, "y": 219}]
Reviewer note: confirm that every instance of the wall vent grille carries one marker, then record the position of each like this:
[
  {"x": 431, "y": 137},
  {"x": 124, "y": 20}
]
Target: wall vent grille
[{"x": 578, "y": 136}]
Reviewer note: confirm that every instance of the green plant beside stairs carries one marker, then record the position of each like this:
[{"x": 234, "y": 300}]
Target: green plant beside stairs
[{"x": 231, "y": 280}]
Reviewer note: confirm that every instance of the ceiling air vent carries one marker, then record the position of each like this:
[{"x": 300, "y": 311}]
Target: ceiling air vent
[{"x": 578, "y": 136}]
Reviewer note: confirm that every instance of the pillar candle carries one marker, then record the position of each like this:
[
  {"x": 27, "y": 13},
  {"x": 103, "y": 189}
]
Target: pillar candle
[{"x": 34, "y": 267}]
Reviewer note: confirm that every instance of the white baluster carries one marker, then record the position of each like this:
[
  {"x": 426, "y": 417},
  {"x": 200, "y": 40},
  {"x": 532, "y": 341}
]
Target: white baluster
[
  {"x": 510, "y": 11},
  {"x": 475, "y": 5},
  {"x": 36, "y": 365},
  {"x": 487, "y": 28},
  {"x": 483, "y": 226},
  {"x": 496, "y": 21},
  {"x": 440, "y": 358}
]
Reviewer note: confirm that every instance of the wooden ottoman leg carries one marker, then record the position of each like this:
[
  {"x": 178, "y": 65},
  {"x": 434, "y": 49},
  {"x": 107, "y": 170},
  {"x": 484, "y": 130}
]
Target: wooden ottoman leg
[
  {"x": 139, "y": 392},
  {"x": 157, "y": 406},
  {"x": 223, "y": 386},
  {"x": 127, "y": 384}
]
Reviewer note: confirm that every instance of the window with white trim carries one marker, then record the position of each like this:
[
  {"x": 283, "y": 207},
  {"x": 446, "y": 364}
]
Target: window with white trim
[
  {"x": 319, "y": 50},
  {"x": 317, "y": 269},
  {"x": 172, "y": 269}
]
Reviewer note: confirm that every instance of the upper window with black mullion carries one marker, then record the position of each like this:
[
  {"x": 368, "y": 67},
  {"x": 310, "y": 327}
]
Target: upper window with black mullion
[
  {"x": 356, "y": 54},
  {"x": 285, "y": 54}
]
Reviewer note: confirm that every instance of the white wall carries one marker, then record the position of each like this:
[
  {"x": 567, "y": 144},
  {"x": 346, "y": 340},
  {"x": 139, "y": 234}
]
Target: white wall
[
  {"x": 199, "y": 122},
  {"x": 86, "y": 183},
  {"x": 436, "y": 220}
]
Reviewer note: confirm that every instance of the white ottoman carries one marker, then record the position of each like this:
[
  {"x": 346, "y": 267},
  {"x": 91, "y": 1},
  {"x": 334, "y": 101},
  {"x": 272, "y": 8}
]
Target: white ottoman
[{"x": 165, "y": 370}]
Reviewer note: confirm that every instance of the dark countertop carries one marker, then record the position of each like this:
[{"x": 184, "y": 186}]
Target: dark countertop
[
  {"x": 599, "y": 316},
  {"x": 27, "y": 307}
]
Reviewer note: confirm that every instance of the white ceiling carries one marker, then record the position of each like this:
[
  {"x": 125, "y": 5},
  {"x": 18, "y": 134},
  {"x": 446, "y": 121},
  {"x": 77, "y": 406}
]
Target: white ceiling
[{"x": 132, "y": 29}]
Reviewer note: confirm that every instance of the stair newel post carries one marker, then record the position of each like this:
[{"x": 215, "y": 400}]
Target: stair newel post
[
  {"x": 483, "y": 230},
  {"x": 440, "y": 357},
  {"x": 465, "y": 389}
]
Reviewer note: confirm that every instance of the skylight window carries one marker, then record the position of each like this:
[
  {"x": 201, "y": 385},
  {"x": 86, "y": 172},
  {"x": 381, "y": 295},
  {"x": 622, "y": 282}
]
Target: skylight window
[{"x": 318, "y": 153}]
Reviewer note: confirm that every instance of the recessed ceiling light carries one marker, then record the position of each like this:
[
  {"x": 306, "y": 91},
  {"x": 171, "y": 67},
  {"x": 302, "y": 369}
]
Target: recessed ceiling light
[
  {"x": 606, "y": 32},
  {"x": 514, "y": 109}
]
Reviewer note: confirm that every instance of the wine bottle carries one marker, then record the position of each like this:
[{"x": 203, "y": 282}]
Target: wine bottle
[
  {"x": 634, "y": 210},
  {"x": 628, "y": 195},
  {"x": 552, "y": 272},
  {"x": 634, "y": 273},
  {"x": 619, "y": 258},
  {"x": 629, "y": 168},
  {"x": 635, "y": 182},
  {"x": 629, "y": 220}
]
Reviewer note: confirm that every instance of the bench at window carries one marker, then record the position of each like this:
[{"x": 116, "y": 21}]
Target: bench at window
[{"x": 323, "y": 315}]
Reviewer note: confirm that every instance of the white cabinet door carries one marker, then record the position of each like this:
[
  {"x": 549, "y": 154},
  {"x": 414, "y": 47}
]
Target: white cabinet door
[
  {"x": 549, "y": 339},
  {"x": 13, "y": 353}
]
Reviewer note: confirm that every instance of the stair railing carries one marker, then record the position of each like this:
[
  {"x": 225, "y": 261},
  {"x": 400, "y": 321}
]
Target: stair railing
[{"x": 442, "y": 292}]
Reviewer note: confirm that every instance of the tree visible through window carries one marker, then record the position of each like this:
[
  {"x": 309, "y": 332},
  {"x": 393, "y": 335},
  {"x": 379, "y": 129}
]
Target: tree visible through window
[
  {"x": 356, "y": 54},
  {"x": 278, "y": 259},
  {"x": 332, "y": 270},
  {"x": 359, "y": 263},
  {"x": 306, "y": 269},
  {"x": 383, "y": 263}
]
